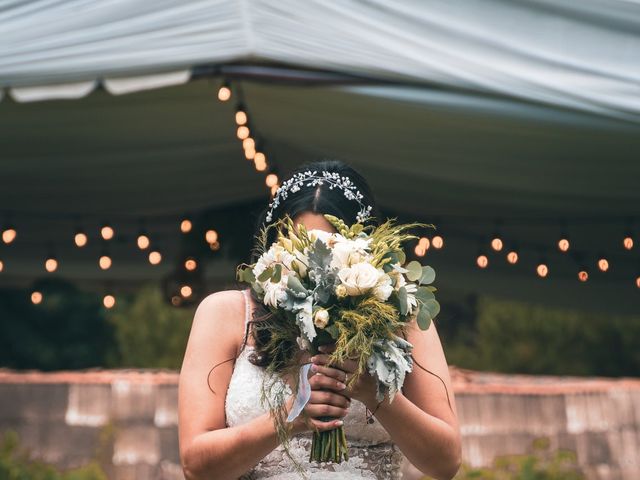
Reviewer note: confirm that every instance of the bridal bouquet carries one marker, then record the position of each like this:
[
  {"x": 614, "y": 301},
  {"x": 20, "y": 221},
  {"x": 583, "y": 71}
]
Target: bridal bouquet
[{"x": 350, "y": 288}]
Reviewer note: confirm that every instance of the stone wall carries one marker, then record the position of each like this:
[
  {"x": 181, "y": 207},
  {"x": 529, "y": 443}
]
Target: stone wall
[{"x": 127, "y": 419}]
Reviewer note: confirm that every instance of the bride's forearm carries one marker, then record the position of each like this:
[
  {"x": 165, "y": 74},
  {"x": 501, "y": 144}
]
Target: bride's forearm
[
  {"x": 227, "y": 453},
  {"x": 428, "y": 442}
]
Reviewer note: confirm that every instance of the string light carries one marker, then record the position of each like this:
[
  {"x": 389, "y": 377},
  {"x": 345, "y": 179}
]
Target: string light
[
  {"x": 109, "y": 301},
  {"x": 51, "y": 264},
  {"x": 497, "y": 244},
  {"x": 564, "y": 244},
  {"x": 190, "y": 264},
  {"x": 542, "y": 269},
  {"x": 260, "y": 161},
  {"x": 36, "y": 297},
  {"x": 603, "y": 264},
  {"x": 512, "y": 257},
  {"x": 437, "y": 242},
  {"x": 627, "y": 242},
  {"x": 482, "y": 261},
  {"x": 243, "y": 132},
  {"x": 155, "y": 257},
  {"x": 420, "y": 251},
  {"x": 241, "y": 116},
  {"x": 211, "y": 236},
  {"x": 422, "y": 247},
  {"x": 186, "y": 225},
  {"x": 80, "y": 239},
  {"x": 638, "y": 281},
  {"x": 249, "y": 153},
  {"x": 105, "y": 262},
  {"x": 107, "y": 232},
  {"x": 224, "y": 92},
  {"x": 186, "y": 291},
  {"x": 249, "y": 143},
  {"x": 274, "y": 189},
  {"x": 9, "y": 235},
  {"x": 1, "y": 265},
  {"x": 214, "y": 246},
  {"x": 583, "y": 275},
  {"x": 271, "y": 180}
]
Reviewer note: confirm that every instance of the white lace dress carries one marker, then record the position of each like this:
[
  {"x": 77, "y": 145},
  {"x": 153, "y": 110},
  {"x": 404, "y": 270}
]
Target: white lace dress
[{"x": 371, "y": 453}]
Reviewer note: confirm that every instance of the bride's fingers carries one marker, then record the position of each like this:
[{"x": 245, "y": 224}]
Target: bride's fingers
[
  {"x": 330, "y": 398},
  {"x": 336, "y": 373},
  {"x": 322, "y": 426},
  {"x": 348, "y": 366},
  {"x": 323, "y": 410},
  {"x": 319, "y": 382}
]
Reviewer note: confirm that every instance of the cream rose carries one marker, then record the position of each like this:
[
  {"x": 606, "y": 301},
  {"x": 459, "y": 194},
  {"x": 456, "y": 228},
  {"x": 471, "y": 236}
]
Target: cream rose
[
  {"x": 359, "y": 278},
  {"x": 321, "y": 318}
]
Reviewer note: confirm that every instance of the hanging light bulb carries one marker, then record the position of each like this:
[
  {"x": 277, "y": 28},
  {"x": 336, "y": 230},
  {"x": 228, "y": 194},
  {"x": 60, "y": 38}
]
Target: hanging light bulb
[
  {"x": 638, "y": 281},
  {"x": 512, "y": 257},
  {"x": 105, "y": 262},
  {"x": 190, "y": 264},
  {"x": 482, "y": 261},
  {"x": 249, "y": 143},
  {"x": 224, "y": 92},
  {"x": 542, "y": 269},
  {"x": 496, "y": 244},
  {"x": 143, "y": 241},
  {"x": 420, "y": 251},
  {"x": 249, "y": 153},
  {"x": 424, "y": 243},
  {"x": 1, "y": 265},
  {"x": 243, "y": 132},
  {"x": 274, "y": 189},
  {"x": 186, "y": 291},
  {"x": 271, "y": 179},
  {"x": 260, "y": 166},
  {"x": 36, "y": 297},
  {"x": 260, "y": 157},
  {"x": 437, "y": 242},
  {"x": 564, "y": 244},
  {"x": 80, "y": 239},
  {"x": 51, "y": 264},
  {"x": 211, "y": 236},
  {"x": 107, "y": 232},
  {"x": 215, "y": 246},
  {"x": 9, "y": 235},
  {"x": 583, "y": 275},
  {"x": 627, "y": 242},
  {"x": 603, "y": 264},
  {"x": 155, "y": 257},
  {"x": 241, "y": 116},
  {"x": 186, "y": 225},
  {"x": 109, "y": 301}
]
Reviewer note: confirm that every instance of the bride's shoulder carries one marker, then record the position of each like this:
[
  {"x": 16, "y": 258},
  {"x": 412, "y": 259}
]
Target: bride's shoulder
[{"x": 221, "y": 313}]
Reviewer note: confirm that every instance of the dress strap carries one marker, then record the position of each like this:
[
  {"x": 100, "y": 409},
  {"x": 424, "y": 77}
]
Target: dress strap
[{"x": 247, "y": 313}]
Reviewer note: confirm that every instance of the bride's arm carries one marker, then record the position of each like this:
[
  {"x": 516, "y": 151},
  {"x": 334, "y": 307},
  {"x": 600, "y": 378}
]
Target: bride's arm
[
  {"x": 420, "y": 420},
  {"x": 209, "y": 449}
]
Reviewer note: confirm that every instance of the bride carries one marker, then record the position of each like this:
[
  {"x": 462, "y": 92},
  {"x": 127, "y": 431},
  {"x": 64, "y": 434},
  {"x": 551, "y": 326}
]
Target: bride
[{"x": 226, "y": 433}]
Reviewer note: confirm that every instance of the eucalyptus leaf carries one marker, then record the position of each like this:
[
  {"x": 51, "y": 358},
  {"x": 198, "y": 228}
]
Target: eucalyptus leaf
[
  {"x": 401, "y": 256},
  {"x": 266, "y": 275},
  {"x": 428, "y": 275},
  {"x": 424, "y": 317},
  {"x": 424, "y": 294},
  {"x": 277, "y": 273},
  {"x": 415, "y": 270},
  {"x": 402, "y": 298},
  {"x": 433, "y": 306}
]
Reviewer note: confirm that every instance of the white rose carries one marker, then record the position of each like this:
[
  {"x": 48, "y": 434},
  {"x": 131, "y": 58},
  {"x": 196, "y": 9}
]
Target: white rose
[
  {"x": 359, "y": 278},
  {"x": 383, "y": 288},
  {"x": 321, "y": 318},
  {"x": 349, "y": 252}
]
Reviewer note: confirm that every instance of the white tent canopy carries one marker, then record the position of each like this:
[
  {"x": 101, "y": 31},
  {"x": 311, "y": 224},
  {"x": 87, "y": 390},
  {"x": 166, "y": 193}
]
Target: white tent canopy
[
  {"x": 577, "y": 55},
  {"x": 463, "y": 112}
]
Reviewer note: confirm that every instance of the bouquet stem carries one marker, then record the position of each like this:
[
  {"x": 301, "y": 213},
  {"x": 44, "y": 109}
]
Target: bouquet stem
[{"x": 329, "y": 446}]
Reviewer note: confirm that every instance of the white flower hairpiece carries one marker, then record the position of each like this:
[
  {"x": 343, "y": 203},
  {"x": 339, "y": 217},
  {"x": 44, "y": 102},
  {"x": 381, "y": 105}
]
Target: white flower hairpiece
[{"x": 332, "y": 178}]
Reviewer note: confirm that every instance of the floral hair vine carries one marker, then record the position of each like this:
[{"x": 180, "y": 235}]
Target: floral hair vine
[{"x": 332, "y": 178}]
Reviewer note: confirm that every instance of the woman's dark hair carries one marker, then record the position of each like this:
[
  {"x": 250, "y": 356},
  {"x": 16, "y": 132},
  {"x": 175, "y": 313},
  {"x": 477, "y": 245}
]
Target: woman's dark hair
[{"x": 317, "y": 199}]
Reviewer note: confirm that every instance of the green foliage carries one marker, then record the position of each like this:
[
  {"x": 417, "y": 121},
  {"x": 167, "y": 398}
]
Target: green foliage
[
  {"x": 511, "y": 336},
  {"x": 542, "y": 464},
  {"x": 17, "y": 464},
  {"x": 149, "y": 332},
  {"x": 67, "y": 330}
]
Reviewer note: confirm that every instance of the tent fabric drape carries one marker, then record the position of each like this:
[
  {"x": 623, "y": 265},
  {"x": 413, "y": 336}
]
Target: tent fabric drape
[{"x": 577, "y": 55}]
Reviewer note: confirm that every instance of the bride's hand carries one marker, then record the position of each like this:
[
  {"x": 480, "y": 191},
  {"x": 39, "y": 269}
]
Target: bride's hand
[
  {"x": 363, "y": 388},
  {"x": 326, "y": 401}
]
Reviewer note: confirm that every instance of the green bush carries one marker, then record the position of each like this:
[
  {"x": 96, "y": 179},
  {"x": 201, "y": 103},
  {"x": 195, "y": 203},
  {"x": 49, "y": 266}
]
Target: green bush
[
  {"x": 149, "y": 333},
  {"x": 17, "y": 464},
  {"x": 512, "y": 336},
  {"x": 542, "y": 464}
]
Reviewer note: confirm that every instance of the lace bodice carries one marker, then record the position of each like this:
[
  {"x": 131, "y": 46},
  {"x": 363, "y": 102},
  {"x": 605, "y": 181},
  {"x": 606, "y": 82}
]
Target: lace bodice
[{"x": 371, "y": 453}]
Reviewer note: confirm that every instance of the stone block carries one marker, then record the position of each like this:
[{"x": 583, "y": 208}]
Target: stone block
[{"x": 88, "y": 405}]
